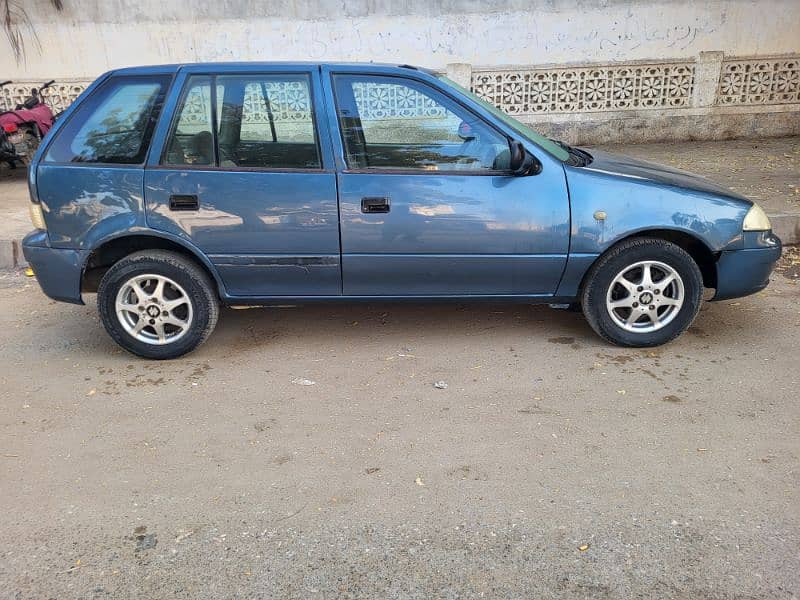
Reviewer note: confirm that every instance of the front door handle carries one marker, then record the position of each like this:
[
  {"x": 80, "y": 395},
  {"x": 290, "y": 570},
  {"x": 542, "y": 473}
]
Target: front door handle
[
  {"x": 375, "y": 205},
  {"x": 184, "y": 202}
]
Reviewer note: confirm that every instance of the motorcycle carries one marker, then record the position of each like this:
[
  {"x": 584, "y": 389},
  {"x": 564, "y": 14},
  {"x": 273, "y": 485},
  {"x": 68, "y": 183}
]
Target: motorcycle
[{"x": 22, "y": 129}]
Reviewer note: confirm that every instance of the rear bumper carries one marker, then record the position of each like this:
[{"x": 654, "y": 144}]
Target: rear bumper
[
  {"x": 57, "y": 270},
  {"x": 744, "y": 272}
]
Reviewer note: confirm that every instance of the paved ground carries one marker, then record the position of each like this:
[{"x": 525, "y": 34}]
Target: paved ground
[
  {"x": 305, "y": 453},
  {"x": 766, "y": 170}
]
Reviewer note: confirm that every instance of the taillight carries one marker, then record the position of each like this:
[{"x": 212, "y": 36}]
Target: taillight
[
  {"x": 10, "y": 127},
  {"x": 37, "y": 216}
]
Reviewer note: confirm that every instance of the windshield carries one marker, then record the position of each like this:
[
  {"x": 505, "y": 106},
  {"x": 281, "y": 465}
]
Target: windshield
[{"x": 545, "y": 143}]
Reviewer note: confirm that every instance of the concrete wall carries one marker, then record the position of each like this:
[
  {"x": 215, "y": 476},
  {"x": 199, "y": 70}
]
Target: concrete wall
[
  {"x": 587, "y": 71},
  {"x": 91, "y": 36}
]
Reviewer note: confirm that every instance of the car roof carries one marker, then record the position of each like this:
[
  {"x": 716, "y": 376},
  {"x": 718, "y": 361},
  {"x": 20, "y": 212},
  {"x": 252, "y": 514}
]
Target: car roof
[{"x": 172, "y": 68}]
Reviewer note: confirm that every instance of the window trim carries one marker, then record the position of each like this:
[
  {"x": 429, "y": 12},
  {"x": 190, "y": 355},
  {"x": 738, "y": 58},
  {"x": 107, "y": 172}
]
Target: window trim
[
  {"x": 169, "y": 80},
  {"x": 216, "y": 166},
  {"x": 399, "y": 171}
]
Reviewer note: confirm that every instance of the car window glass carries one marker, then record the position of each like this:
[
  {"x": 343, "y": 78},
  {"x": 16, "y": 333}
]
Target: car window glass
[
  {"x": 262, "y": 121},
  {"x": 549, "y": 145},
  {"x": 191, "y": 141},
  {"x": 393, "y": 123},
  {"x": 114, "y": 125}
]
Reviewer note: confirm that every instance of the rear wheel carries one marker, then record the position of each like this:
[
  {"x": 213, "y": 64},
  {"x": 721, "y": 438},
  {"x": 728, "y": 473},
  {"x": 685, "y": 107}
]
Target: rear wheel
[
  {"x": 157, "y": 304},
  {"x": 644, "y": 292}
]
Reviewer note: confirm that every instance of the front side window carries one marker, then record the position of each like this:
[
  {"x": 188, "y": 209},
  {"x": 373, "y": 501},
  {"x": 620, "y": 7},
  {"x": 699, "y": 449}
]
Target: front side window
[
  {"x": 546, "y": 143},
  {"x": 403, "y": 124},
  {"x": 250, "y": 121},
  {"x": 114, "y": 125}
]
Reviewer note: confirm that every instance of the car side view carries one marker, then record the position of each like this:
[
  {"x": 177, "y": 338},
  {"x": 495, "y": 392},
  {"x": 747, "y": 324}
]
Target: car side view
[{"x": 172, "y": 190}]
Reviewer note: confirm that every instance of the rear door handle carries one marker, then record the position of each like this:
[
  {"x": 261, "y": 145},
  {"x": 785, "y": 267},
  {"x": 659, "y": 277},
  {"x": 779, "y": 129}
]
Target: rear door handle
[
  {"x": 375, "y": 205},
  {"x": 184, "y": 202}
]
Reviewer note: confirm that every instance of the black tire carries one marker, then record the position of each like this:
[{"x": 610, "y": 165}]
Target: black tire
[
  {"x": 628, "y": 253},
  {"x": 199, "y": 289}
]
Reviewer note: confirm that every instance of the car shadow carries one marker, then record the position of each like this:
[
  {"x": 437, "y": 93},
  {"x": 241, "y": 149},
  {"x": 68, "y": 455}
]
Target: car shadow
[
  {"x": 400, "y": 323},
  {"x": 359, "y": 327}
]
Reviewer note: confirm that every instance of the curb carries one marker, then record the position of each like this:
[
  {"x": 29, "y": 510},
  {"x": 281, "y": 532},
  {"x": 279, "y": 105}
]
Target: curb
[
  {"x": 785, "y": 225},
  {"x": 11, "y": 256}
]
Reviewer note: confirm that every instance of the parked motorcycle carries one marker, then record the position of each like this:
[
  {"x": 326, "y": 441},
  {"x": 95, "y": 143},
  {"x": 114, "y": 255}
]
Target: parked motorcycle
[{"x": 22, "y": 129}]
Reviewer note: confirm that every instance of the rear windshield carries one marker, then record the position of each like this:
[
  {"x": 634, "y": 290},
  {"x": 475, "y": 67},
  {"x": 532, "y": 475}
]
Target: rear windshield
[
  {"x": 114, "y": 124},
  {"x": 544, "y": 143}
]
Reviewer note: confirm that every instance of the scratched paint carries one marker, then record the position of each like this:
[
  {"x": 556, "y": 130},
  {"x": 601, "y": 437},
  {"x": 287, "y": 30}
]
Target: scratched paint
[{"x": 91, "y": 37}]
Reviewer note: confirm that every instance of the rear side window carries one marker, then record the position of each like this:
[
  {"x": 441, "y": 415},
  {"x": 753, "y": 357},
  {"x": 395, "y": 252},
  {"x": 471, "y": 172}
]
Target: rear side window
[
  {"x": 113, "y": 125},
  {"x": 254, "y": 121}
]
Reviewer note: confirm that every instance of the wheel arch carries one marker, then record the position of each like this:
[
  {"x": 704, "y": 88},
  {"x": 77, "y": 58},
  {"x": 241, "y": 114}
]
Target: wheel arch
[
  {"x": 111, "y": 250},
  {"x": 703, "y": 256}
]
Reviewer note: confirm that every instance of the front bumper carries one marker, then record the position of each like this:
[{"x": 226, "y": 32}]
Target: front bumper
[
  {"x": 58, "y": 270},
  {"x": 746, "y": 271}
]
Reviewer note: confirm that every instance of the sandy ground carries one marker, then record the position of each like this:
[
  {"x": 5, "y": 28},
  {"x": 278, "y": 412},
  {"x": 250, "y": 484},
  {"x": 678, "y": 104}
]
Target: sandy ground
[
  {"x": 765, "y": 170},
  {"x": 306, "y": 453}
]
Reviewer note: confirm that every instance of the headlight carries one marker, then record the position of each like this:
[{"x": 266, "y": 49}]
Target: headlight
[
  {"x": 37, "y": 216},
  {"x": 756, "y": 219}
]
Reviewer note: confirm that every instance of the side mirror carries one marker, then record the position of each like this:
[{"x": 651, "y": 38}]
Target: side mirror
[
  {"x": 523, "y": 162},
  {"x": 465, "y": 132}
]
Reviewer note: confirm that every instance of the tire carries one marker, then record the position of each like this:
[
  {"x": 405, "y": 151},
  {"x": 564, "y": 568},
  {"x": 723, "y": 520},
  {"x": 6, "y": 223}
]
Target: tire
[
  {"x": 639, "y": 312},
  {"x": 184, "y": 310}
]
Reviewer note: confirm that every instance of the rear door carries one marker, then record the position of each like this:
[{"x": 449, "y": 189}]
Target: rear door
[
  {"x": 428, "y": 205},
  {"x": 239, "y": 170}
]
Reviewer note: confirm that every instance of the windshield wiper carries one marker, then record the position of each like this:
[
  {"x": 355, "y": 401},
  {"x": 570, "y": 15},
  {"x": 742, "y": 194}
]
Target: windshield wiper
[{"x": 580, "y": 158}]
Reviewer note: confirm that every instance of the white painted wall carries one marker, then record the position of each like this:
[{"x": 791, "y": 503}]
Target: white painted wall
[{"x": 92, "y": 36}]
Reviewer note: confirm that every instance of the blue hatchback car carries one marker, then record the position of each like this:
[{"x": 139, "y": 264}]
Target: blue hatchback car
[{"x": 171, "y": 190}]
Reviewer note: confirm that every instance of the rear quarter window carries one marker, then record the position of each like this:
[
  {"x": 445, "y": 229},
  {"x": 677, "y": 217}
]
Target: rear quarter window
[{"x": 114, "y": 124}]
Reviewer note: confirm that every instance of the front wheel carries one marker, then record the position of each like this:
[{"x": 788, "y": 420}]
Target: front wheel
[
  {"x": 157, "y": 304},
  {"x": 645, "y": 292}
]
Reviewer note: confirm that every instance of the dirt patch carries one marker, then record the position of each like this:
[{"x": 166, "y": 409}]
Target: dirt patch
[
  {"x": 144, "y": 540},
  {"x": 789, "y": 264}
]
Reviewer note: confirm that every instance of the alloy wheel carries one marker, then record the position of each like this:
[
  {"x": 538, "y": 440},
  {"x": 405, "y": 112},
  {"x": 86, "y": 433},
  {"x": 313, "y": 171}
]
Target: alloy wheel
[
  {"x": 645, "y": 296},
  {"x": 154, "y": 309}
]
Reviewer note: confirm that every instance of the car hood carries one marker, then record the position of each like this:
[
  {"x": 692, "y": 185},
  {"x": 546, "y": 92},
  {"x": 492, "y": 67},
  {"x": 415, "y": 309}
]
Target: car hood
[{"x": 621, "y": 166}]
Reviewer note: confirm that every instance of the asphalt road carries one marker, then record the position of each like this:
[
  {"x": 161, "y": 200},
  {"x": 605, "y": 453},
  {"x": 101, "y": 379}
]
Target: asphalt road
[{"x": 306, "y": 453}]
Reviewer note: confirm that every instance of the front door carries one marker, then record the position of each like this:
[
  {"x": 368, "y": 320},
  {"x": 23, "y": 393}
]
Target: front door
[
  {"x": 242, "y": 174},
  {"x": 428, "y": 206}
]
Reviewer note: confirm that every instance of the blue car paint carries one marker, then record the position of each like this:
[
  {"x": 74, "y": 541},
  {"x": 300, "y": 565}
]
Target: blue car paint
[
  {"x": 85, "y": 205},
  {"x": 636, "y": 196},
  {"x": 57, "y": 270},
  {"x": 456, "y": 236},
  {"x": 446, "y": 233},
  {"x": 266, "y": 233}
]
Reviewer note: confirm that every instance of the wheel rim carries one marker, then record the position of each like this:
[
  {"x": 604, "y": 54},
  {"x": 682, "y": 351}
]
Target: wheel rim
[
  {"x": 645, "y": 296},
  {"x": 154, "y": 309}
]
